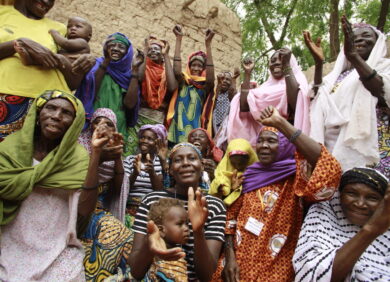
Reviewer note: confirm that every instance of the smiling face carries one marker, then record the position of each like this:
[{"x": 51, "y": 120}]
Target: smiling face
[
  {"x": 275, "y": 65},
  {"x": 359, "y": 202},
  {"x": 196, "y": 67},
  {"x": 37, "y": 9},
  {"x": 154, "y": 53},
  {"x": 364, "y": 39},
  {"x": 239, "y": 162},
  {"x": 78, "y": 28},
  {"x": 116, "y": 50},
  {"x": 175, "y": 228},
  {"x": 200, "y": 140},
  {"x": 55, "y": 118},
  {"x": 147, "y": 142},
  {"x": 186, "y": 167},
  {"x": 267, "y": 147},
  {"x": 226, "y": 82},
  {"x": 103, "y": 121}
]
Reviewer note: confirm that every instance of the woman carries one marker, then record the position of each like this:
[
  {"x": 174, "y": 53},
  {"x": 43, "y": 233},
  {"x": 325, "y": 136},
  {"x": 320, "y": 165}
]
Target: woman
[
  {"x": 350, "y": 112},
  {"x": 347, "y": 238},
  {"x": 113, "y": 83},
  {"x": 191, "y": 106},
  {"x": 206, "y": 214},
  {"x": 229, "y": 173},
  {"x": 263, "y": 224},
  {"x": 212, "y": 155},
  {"x": 145, "y": 170},
  {"x": 45, "y": 184},
  {"x": 106, "y": 241},
  {"x": 286, "y": 89}
]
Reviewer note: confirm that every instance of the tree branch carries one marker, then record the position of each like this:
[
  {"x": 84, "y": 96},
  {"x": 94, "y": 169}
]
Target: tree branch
[{"x": 382, "y": 14}]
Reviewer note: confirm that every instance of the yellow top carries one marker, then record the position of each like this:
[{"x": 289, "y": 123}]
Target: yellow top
[{"x": 16, "y": 78}]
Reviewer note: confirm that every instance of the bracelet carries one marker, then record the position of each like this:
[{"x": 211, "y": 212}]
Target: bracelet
[
  {"x": 317, "y": 85},
  {"x": 228, "y": 244},
  {"x": 209, "y": 65},
  {"x": 287, "y": 75},
  {"x": 295, "y": 136},
  {"x": 89, "y": 188},
  {"x": 367, "y": 78},
  {"x": 176, "y": 59},
  {"x": 287, "y": 70}
]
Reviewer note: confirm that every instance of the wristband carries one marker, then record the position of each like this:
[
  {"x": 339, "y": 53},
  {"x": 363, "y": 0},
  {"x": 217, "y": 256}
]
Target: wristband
[
  {"x": 287, "y": 70},
  {"x": 367, "y": 78},
  {"x": 295, "y": 136}
]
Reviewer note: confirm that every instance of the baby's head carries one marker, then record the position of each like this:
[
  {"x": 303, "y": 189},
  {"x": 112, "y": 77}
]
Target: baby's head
[
  {"x": 78, "y": 28},
  {"x": 239, "y": 160},
  {"x": 171, "y": 219}
]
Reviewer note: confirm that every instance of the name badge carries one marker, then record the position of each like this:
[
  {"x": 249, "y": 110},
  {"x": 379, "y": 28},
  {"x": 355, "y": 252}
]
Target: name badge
[{"x": 254, "y": 226}]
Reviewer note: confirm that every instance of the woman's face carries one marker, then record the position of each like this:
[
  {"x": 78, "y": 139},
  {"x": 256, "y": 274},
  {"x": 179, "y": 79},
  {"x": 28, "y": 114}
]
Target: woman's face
[
  {"x": 186, "y": 167},
  {"x": 55, "y": 118},
  {"x": 154, "y": 53},
  {"x": 200, "y": 140},
  {"x": 147, "y": 142},
  {"x": 103, "y": 121},
  {"x": 364, "y": 39},
  {"x": 275, "y": 65},
  {"x": 267, "y": 147},
  {"x": 239, "y": 162},
  {"x": 196, "y": 67},
  {"x": 37, "y": 9},
  {"x": 116, "y": 50},
  {"x": 359, "y": 202},
  {"x": 226, "y": 82}
]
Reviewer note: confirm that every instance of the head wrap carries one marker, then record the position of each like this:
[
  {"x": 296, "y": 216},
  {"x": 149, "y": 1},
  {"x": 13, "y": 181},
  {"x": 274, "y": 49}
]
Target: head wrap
[
  {"x": 368, "y": 176},
  {"x": 224, "y": 170},
  {"x": 118, "y": 38},
  {"x": 213, "y": 151},
  {"x": 158, "y": 129},
  {"x": 259, "y": 175},
  {"x": 193, "y": 79},
  {"x": 65, "y": 167}
]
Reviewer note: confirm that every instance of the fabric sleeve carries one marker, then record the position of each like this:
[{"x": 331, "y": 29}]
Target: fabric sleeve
[
  {"x": 315, "y": 253},
  {"x": 128, "y": 165},
  {"x": 320, "y": 184},
  {"x": 215, "y": 225},
  {"x": 232, "y": 215},
  {"x": 141, "y": 218}
]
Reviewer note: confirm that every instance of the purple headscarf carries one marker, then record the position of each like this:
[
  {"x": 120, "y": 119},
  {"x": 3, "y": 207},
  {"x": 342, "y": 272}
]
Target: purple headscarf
[
  {"x": 258, "y": 175},
  {"x": 120, "y": 72},
  {"x": 159, "y": 129}
]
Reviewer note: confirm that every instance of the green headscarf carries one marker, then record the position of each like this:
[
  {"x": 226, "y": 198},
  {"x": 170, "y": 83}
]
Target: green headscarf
[{"x": 64, "y": 167}]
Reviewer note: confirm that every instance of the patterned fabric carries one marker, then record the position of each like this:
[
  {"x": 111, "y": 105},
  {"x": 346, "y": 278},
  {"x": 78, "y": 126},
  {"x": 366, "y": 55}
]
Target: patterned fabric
[
  {"x": 53, "y": 94},
  {"x": 13, "y": 111},
  {"x": 325, "y": 230},
  {"x": 158, "y": 129},
  {"x": 221, "y": 110},
  {"x": 383, "y": 121},
  {"x": 168, "y": 271},
  {"x": 154, "y": 85},
  {"x": 279, "y": 207},
  {"x": 133, "y": 132}
]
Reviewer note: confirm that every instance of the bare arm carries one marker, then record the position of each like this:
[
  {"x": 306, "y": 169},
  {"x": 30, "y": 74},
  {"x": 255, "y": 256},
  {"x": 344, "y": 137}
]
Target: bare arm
[
  {"x": 309, "y": 148},
  {"x": 118, "y": 177},
  {"x": 131, "y": 97},
  {"x": 318, "y": 56},
  {"x": 142, "y": 67},
  {"x": 172, "y": 84},
  {"x": 292, "y": 86},
  {"x": 209, "y": 86},
  {"x": 248, "y": 65},
  {"x": 70, "y": 45},
  {"x": 7, "y": 49},
  {"x": 231, "y": 271},
  {"x": 177, "y": 30},
  {"x": 233, "y": 88},
  {"x": 155, "y": 179}
]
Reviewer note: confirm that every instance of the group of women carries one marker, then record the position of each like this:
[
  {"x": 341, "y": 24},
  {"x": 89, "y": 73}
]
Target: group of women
[{"x": 248, "y": 166}]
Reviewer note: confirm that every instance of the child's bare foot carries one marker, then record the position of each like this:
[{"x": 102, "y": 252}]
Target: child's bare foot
[{"x": 24, "y": 55}]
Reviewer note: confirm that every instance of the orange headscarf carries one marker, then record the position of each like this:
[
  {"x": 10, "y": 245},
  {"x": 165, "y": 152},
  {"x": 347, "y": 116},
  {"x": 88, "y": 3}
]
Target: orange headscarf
[{"x": 154, "y": 86}]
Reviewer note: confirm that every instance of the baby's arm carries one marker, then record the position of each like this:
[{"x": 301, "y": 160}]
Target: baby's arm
[{"x": 69, "y": 45}]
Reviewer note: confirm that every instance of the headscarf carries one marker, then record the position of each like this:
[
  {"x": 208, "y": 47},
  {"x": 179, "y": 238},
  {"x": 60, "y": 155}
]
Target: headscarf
[
  {"x": 213, "y": 151},
  {"x": 368, "y": 176},
  {"x": 258, "y": 175},
  {"x": 271, "y": 93},
  {"x": 224, "y": 170},
  {"x": 352, "y": 109},
  {"x": 65, "y": 167},
  {"x": 120, "y": 72},
  {"x": 158, "y": 129}
]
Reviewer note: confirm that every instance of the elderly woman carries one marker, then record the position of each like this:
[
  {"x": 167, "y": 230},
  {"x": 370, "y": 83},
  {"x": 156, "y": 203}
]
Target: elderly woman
[
  {"x": 113, "y": 83},
  {"x": 263, "y": 225},
  {"x": 350, "y": 112},
  {"x": 348, "y": 237},
  {"x": 44, "y": 173},
  {"x": 105, "y": 253},
  {"x": 191, "y": 105},
  {"x": 206, "y": 214},
  {"x": 24, "y": 24},
  {"x": 285, "y": 89}
]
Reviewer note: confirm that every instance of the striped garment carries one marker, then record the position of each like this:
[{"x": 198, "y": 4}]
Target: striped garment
[
  {"x": 142, "y": 184},
  {"x": 324, "y": 231},
  {"x": 214, "y": 226}
]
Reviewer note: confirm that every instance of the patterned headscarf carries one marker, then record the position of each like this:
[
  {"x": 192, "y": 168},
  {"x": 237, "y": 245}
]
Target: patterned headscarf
[
  {"x": 368, "y": 176},
  {"x": 52, "y": 94},
  {"x": 158, "y": 129},
  {"x": 119, "y": 38}
]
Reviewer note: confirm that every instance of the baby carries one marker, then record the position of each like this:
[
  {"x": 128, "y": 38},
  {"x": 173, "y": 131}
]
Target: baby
[{"x": 171, "y": 218}]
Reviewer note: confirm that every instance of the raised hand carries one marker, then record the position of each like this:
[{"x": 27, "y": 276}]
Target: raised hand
[
  {"x": 220, "y": 77},
  {"x": 137, "y": 164},
  {"x": 138, "y": 59},
  {"x": 178, "y": 31},
  {"x": 314, "y": 48},
  {"x": 379, "y": 222},
  {"x": 149, "y": 168},
  {"x": 209, "y": 167},
  {"x": 209, "y": 35},
  {"x": 165, "y": 49},
  {"x": 270, "y": 116},
  {"x": 162, "y": 148},
  {"x": 197, "y": 209},
  {"x": 236, "y": 180},
  {"x": 248, "y": 64},
  {"x": 99, "y": 138},
  {"x": 285, "y": 55},
  {"x": 236, "y": 72},
  {"x": 158, "y": 247},
  {"x": 349, "y": 44}
]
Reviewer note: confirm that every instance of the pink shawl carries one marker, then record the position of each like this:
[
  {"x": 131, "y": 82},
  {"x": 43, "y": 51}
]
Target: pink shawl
[{"x": 270, "y": 93}]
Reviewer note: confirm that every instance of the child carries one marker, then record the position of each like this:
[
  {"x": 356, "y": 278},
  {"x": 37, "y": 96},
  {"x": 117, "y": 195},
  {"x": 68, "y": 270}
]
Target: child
[
  {"x": 229, "y": 172},
  {"x": 171, "y": 219}
]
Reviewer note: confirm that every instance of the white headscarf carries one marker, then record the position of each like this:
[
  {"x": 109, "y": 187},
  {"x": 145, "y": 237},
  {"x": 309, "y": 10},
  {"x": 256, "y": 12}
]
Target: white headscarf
[{"x": 345, "y": 121}]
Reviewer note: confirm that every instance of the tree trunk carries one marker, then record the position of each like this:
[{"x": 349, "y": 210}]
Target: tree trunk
[
  {"x": 383, "y": 14},
  {"x": 334, "y": 29}
]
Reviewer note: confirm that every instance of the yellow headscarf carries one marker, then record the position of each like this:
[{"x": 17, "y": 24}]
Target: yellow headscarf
[{"x": 224, "y": 171}]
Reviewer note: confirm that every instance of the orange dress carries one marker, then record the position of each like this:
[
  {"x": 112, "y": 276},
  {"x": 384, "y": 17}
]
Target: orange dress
[{"x": 268, "y": 257}]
